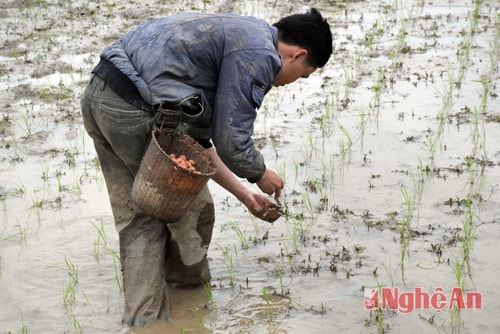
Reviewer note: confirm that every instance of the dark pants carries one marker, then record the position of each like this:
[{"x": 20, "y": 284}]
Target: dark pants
[{"x": 152, "y": 253}]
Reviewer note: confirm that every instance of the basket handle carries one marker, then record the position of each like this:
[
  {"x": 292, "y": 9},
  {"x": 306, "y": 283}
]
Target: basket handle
[{"x": 167, "y": 118}]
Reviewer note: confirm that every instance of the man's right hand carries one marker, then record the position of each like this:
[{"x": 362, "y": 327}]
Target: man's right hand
[
  {"x": 271, "y": 183},
  {"x": 262, "y": 208}
]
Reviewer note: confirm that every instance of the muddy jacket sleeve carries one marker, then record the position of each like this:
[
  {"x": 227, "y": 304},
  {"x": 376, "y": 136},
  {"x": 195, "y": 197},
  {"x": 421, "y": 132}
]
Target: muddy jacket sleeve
[{"x": 244, "y": 79}]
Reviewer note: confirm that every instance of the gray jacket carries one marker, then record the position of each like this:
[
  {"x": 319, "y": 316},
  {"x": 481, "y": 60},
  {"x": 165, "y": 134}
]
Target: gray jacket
[{"x": 229, "y": 61}]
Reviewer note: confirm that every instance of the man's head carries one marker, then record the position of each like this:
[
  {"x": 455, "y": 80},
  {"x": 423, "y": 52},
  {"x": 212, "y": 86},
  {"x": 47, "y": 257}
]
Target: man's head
[
  {"x": 305, "y": 43},
  {"x": 309, "y": 31}
]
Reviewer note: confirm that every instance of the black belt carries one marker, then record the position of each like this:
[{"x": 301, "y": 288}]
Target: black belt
[
  {"x": 128, "y": 91},
  {"x": 166, "y": 114},
  {"x": 124, "y": 87}
]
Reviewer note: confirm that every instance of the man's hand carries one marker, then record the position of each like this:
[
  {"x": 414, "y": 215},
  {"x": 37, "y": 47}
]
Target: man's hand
[
  {"x": 259, "y": 206},
  {"x": 271, "y": 183},
  {"x": 262, "y": 208}
]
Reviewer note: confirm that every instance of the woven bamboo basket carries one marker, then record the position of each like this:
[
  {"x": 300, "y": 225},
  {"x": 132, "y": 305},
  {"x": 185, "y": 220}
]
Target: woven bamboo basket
[{"x": 163, "y": 189}]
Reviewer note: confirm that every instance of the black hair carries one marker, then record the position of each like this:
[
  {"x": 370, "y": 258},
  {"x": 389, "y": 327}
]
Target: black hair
[{"x": 309, "y": 31}]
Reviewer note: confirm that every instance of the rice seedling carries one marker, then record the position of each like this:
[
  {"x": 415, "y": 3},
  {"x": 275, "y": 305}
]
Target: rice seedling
[
  {"x": 59, "y": 182},
  {"x": 494, "y": 53},
  {"x": 72, "y": 271},
  {"x": 88, "y": 303},
  {"x": 279, "y": 273},
  {"x": 74, "y": 188},
  {"x": 45, "y": 164},
  {"x": 309, "y": 147},
  {"x": 37, "y": 207},
  {"x": 77, "y": 325},
  {"x": 288, "y": 257},
  {"x": 282, "y": 171},
  {"x": 358, "y": 60},
  {"x": 378, "y": 85},
  {"x": 378, "y": 319},
  {"x": 345, "y": 148},
  {"x": 466, "y": 44},
  {"x": 468, "y": 235},
  {"x": 294, "y": 236},
  {"x": 256, "y": 228},
  {"x": 24, "y": 326},
  {"x": 377, "y": 315},
  {"x": 475, "y": 16},
  {"x": 402, "y": 35},
  {"x": 228, "y": 262},
  {"x": 117, "y": 266},
  {"x": 68, "y": 296},
  {"x": 71, "y": 153},
  {"x": 241, "y": 236},
  {"x": 334, "y": 99},
  {"x": 478, "y": 154},
  {"x": 329, "y": 170},
  {"x": 25, "y": 122},
  {"x": 348, "y": 84},
  {"x": 108, "y": 298},
  {"x": 405, "y": 230},
  {"x": 418, "y": 181},
  {"x": 324, "y": 122},
  {"x": 207, "y": 288},
  {"x": 269, "y": 303},
  {"x": 486, "y": 91},
  {"x": 306, "y": 200},
  {"x": 455, "y": 316},
  {"x": 479, "y": 136},
  {"x": 446, "y": 107},
  {"x": 362, "y": 126},
  {"x": 101, "y": 238},
  {"x": 432, "y": 147},
  {"x": 328, "y": 115},
  {"x": 22, "y": 234},
  {"x": 97, "y": 176}
]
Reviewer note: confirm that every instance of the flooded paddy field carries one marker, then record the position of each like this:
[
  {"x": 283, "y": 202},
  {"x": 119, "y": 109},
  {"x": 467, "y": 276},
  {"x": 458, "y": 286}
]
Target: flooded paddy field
[{"x": 390, "y": 156}]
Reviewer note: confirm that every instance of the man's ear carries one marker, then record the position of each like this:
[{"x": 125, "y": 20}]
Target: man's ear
[{"x": 299, "y": 53}]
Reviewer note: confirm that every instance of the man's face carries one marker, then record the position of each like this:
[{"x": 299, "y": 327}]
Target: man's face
[
  {"x": 289, "y": 74},
  {"x": 294, "y": 65}
]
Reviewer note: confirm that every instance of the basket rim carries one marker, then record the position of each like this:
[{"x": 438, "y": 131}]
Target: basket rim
[{"x": 175, "y": 133}]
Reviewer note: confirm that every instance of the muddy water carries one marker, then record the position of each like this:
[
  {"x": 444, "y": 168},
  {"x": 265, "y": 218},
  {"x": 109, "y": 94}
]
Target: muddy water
[{"x": 390, "y": 155}]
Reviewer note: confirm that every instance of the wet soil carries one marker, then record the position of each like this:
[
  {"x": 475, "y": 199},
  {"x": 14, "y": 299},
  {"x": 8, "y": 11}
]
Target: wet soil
[{"x": 390, "y": 156}]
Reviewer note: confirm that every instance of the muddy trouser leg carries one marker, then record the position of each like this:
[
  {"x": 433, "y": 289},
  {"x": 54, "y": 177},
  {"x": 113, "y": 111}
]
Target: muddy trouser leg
[
  {"x": 121, "y": 134},
  {"x": 189, "y": 239}
]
